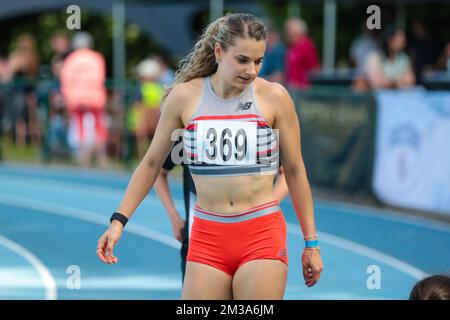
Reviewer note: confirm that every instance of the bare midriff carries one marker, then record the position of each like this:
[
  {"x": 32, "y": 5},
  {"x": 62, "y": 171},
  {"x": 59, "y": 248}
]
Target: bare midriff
[{"x": 229, "y": 195}]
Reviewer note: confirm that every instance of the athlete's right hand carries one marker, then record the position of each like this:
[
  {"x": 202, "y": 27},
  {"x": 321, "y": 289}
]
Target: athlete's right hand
[
  {"x": 177, "y": 227},
  {"x": 108, "y": 241}
]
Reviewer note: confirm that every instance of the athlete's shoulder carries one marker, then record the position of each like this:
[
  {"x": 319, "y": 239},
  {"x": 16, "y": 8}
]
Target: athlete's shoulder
[
  {"x": 191, "y": 86},
  {"x": 187, "y": 90},
  {"x": 272, "y": 91}
]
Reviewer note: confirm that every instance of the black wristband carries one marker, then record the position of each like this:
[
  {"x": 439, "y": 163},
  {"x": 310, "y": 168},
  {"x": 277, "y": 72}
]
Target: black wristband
[{"x": 119, "y": 217}]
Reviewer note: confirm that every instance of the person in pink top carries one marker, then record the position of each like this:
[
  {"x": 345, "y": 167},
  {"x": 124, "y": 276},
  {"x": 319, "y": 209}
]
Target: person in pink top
[
  {"x": 82, "y": 84},
  {"x": 301, "y": 56}
]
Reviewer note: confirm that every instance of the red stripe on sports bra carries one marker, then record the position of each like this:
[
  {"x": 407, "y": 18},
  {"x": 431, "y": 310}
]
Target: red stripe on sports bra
[
  {"x": 239, "y": 116},
  {"x": 191, "y": 155},
  {"x": 266, "y": 151},
  {"x": 262, "y": 124}
]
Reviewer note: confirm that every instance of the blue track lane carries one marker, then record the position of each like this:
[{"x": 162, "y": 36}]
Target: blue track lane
[{"x": 57, "y": 216}]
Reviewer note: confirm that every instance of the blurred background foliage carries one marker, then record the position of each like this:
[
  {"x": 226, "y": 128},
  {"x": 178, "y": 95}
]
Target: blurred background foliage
[{"x": 139, "y": 44}]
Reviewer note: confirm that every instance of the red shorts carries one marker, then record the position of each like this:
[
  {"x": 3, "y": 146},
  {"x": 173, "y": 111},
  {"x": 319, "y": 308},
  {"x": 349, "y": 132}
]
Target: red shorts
[
  {"x": 98, "y": 131},
  {"x": 228, "y": 241}
]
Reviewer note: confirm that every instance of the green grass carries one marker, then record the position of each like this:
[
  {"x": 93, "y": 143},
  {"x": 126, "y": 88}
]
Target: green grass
[{"x": 10, "y": 152}]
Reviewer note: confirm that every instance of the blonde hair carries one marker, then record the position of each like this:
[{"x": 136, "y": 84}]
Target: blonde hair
[{"x": 201, "y": 61}]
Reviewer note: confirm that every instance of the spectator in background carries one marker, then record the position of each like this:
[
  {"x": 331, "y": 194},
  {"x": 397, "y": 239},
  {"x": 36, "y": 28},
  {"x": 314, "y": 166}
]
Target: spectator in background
[
  {"x": 424, "y": 50},
  {"x": 361, "y": 48},
  {"x": 24, "y": 59},
  {"x": 82, "y": 84},
  {"x": 23, "y": 69},
  {"x": 167, "y": 75},
  {"x": 145, "y": 109},
  {"x": 392, "y": 68},
  {"x": 302, "y": 57},
  {"x": 3, "y": 76},
  {"x": 57, "y": 124},
  {"x": 6, "y": 71},
  {"x": 60, "y": 44},
  {"x": 447, "y": 56},
  {"x": 6, "y": 112},
  {"x": 435, "y": 287},
  {"x": 444, "y": 59},
  {"x": 52, "y": 109},
  {"x": 273, "y": 63}
]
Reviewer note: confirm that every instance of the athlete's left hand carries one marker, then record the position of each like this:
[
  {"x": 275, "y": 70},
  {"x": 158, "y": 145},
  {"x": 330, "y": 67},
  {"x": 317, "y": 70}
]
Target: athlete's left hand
[{"x": 312, "y": 266}]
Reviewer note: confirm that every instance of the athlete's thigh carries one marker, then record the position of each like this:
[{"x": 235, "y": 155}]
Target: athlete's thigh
[
  {"x": 206, "y": 282},
  {"x": 260, "y": 279}
]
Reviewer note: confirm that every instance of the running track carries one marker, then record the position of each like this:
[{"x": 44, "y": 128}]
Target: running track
[{"x": 51, "y": 219}]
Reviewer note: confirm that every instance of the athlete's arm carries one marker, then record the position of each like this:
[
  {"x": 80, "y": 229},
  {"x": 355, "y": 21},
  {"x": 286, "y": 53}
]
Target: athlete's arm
[
  {"x": 148, "y": 169},
  {"x": 146, "y": 172},
  {"x": 163, "y": 190},
  {"x": 286, "y": 121}
]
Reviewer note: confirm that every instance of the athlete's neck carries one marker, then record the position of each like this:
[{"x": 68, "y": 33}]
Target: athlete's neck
[{"x": 222, "y": 89}]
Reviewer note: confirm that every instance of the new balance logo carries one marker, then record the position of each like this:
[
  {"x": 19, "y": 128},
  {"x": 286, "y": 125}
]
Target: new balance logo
[
  {"x": 243, "y": 106},
  {"x": 282, "y": 253}
]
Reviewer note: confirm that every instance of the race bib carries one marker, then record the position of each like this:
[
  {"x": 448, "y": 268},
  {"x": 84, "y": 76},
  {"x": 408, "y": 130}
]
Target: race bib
[{"x": 226, "y": 142}]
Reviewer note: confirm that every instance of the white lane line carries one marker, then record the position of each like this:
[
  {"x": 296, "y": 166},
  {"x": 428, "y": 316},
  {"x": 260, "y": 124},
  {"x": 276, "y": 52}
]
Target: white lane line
[
  {"x": 47, "y": 278},
  {"x": 382, "y": 214},
  {"x": 89, "y": 216},
  {"x": 170, "y": 241},
  {"x": 349, "y": 209},
  {"x": 70, "y": 187},
  {"x": 43, "y": 182},
  {"x": 135, "y": 282},
  {"x": 148, "y": 233},
  {"x": 364, "y": 251}
]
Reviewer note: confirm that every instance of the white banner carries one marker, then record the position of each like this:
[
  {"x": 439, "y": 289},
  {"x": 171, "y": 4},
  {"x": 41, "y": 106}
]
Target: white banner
[{"x": 412, "y": 149}]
